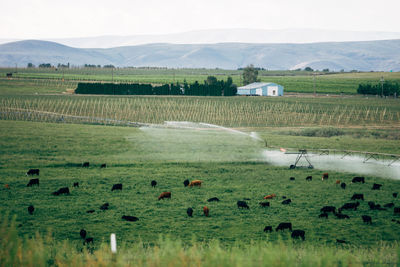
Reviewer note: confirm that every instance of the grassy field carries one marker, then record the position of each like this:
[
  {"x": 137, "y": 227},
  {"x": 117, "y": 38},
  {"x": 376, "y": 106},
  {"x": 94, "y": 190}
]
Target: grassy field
[{"x": 293, "y": 81}]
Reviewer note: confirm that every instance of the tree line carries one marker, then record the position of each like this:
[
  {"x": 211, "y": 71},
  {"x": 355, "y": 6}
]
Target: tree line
[
  {"x": 387, "y": 88},
  {"x": 210, "y": 87}
]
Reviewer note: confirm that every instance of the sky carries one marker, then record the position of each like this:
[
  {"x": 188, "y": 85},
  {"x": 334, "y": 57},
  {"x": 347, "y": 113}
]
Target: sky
[{"x": 36, "y": 19}]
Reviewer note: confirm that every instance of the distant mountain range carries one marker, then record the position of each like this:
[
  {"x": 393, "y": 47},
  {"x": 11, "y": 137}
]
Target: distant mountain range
[
  {"x": 364, "y": 56},
  {"x": 214, "y": 36}
]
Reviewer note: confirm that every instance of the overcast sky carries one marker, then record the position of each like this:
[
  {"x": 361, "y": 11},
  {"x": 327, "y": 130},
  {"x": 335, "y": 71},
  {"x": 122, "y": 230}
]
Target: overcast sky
[{"x": 26, "y": 19}]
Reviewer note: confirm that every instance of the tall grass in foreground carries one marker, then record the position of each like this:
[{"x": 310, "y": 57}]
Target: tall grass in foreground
[{"x": 45, "y": 251}]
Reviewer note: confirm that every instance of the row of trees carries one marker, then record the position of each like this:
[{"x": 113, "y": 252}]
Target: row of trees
[
  {"x": 211, "y": 87},
  {"x": 387, "y": 88}
]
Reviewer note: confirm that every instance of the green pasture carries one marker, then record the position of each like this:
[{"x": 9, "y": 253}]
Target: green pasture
[{"x": 293, "y": 81}]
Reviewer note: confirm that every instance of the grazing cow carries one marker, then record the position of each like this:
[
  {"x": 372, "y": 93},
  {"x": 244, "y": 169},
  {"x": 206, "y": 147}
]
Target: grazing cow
[
  {"x": 90, "y": 211},
  {"x": 7, "y": 186},
  {"x": 358, "y": 179},
  {"x": 31, "y": 209},
  {"x": 264, "y": 204},
  {"x": 268, "y": 228},
  {"x": 186, "y": 182},
  {"x": 76, "y": 184},
  {"x": 130, "y": 218},
  {"x": 33, "y": 182},
  {"x": 343, "y": 185},
  {"x": 298, "y": 233},
  {"x": 213, "y": 199},
  {"x": 396, "y": 210},
  {"x": 367, "y": 219},
  {"x": 325, "y": 176},
  {"x": 164, "y": 195},
  {"x": 83, "y": 233},
  {"x": 33, "y": 172},
  {"x": 349, "y": 206},
  {"x": 337, "y": 182},
  {"x": 189, "y": 212},
  {"x": 270, "y": 196},
  {"x": 376, "y": 186},
  {"x": 286, "y": 201},
  {"x": 284, "y": 197},
  {"x": 357, "y": 196},
  {"x": 374, "y": 206},
  {"x": 326, "y": 209},
  {"x": 62, "y": 190},
  {"x": 85, "y": 164},
  {"x": 104, "y": 206},
  {"x": 242, "y": 204},
  {"x": 153, "y": 183},
  {"x": 292, "y": 178},
  {"x": 283, "y": 226},
  {"x": 340, "y": 241},
  {"x": 342, "y": 216},
  {"x": 116, "y": 187},
  {"x": 309, "y": 178},
  {"x": 195, "y": 183},
  {"x": 103, "y": 166},
  {"x": 206, "y": 211},
  {"x": 9, "y": 75},
  {"x": 389, "y": 205},
  {"x": 88, "y": 240},
  {"x": 395, "y": 194},
  {"x": 323, "y": 215}
]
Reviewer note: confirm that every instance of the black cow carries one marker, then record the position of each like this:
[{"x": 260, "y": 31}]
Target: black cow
[
  {"x": 396, "y": 210},
  {"x": 309, "y": 178},
  {"x": 62, "y": 190},
  {"x": 268, "y": 228},
  {"x": 33, "y": 182},
  {"x": 298, "y": 233},
  {"x": 389, "y": 205},
  {"x": 186, "y": 182},
  {"x": 283, "y": 226},
  {"x": 242, "y": 204},
  {"x": 357, "y": 196},
  {"x": 88, "y": 240},
  {"x": 374, "y": 206},
  {"x": 395, "y": 194},
  {"x": 189, "y": 212},
  {"x": 9, "y": 74},
  {"x": 286, "y": 201},
  {"x": 367, "y": 219},
  {"x": 33, "y": 172},
  {"x": 104, "y": 206},
  {"x": 350, "y": 206},
  {"x": 31, "y": 209},
  {"x": 130, "y": 218},
  {"x": 264, "y": 204},
  {"x": 358, "y": 179},
  {"x": 340, "y": 241},
  {"x": 323, "y": 215},
  {"x": 103, "y": 166},
  {"x": 153, "y": 183},
  {"x": 284, "y": 197},
  {"x": 342, "y": 216},
  {"x": 83, "y": 233},
  {"x": 343, "y": 185},
  {"x": 292, "y": 178},
  {"x": 213, "y": 199},
  {"x": 116, "y": 187},
  {"x": 76, "y": 184},
  {"x": 326, "y": 209},
  {"x": 376, "y": 186},
  {"x": 85, "y": 164},
  {"x": 90, "y": 211}
]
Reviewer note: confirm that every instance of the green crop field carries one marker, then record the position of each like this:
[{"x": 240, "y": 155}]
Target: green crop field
[{"x": 42, "y": 128}]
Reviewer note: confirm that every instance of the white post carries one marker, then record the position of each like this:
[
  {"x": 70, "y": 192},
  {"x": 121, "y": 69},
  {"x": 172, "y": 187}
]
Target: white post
[{"x": 113, "y": 244}]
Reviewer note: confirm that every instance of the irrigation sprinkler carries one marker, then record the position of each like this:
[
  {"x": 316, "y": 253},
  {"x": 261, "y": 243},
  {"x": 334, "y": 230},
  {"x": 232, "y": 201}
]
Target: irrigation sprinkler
[{"x": 302, "y": 153}]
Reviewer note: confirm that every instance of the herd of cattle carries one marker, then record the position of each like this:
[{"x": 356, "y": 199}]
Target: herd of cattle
[{"x": 242, "y": 204}]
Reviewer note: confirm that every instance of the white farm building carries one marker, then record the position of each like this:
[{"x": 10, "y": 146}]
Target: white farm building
[{"x": 262, "y": 89}]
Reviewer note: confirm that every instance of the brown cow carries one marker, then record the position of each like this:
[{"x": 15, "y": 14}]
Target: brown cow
[
  {"x": 270, "y": 196},
  {"x": 337, "y": 181},
  {"x": 7, "y": 186},
  {"x": 195, "y": 183},
  {"x": 164, "y": 195},
  {"x": 206, "y": 210},
  {"x": 325, "y": 176}
]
